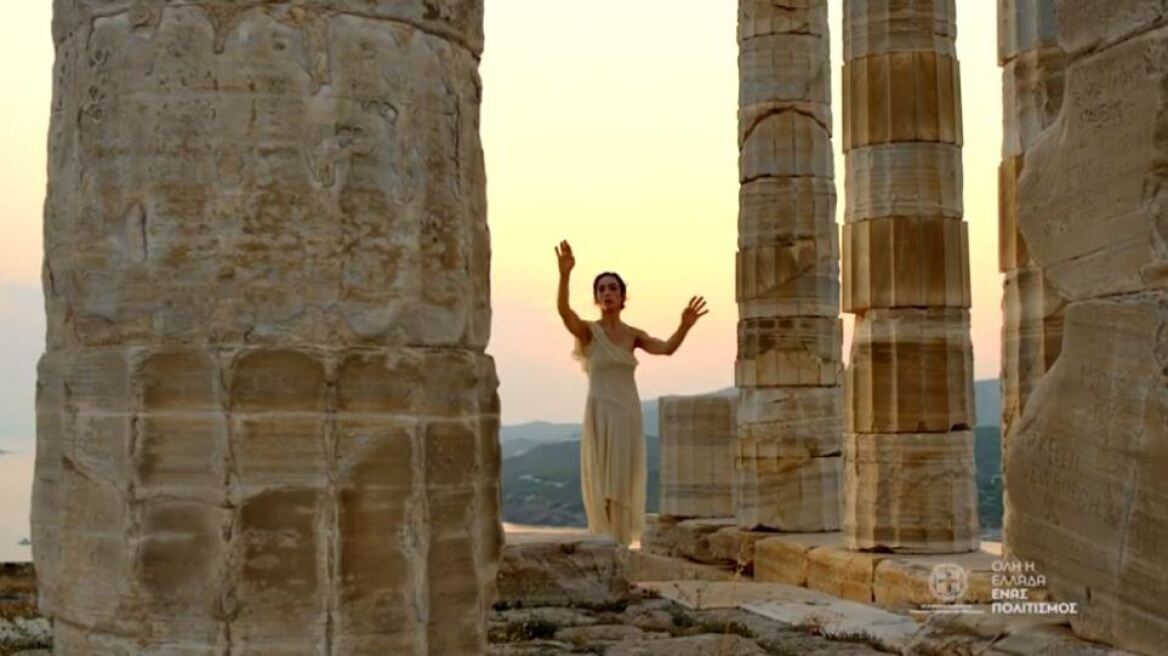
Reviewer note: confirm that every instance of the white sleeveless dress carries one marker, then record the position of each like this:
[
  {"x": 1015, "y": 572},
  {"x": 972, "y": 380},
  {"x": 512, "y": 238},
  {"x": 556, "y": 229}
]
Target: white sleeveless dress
[{"x": 612, "y": 441}]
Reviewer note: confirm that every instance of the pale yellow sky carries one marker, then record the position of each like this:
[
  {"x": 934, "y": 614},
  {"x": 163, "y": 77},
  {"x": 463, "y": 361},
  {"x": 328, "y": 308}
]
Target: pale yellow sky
[{"x": 610, "y": 123}]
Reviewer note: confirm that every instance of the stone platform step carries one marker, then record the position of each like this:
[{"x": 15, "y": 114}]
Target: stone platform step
[
  {"x": 973, "y": 632},
  {"x": 819, "y": 561}
]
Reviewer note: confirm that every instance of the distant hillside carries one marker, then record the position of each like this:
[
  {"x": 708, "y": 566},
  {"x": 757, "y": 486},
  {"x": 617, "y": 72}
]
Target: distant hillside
[
  {"x": 521, "y": 438},
  {"x": 542, "y": 486},
  {"x": 988, "y": 456},
  {"x": 987, "y": 395}
]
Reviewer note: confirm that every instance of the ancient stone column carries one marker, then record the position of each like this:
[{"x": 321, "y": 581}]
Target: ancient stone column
[
  {"x": 1085, "y": 466},
  {"x": 266, "y": 421},
  {"x": 909, "y": 483},
  {"x": 697, "y": 455},
  {"x": 788, "y": 369},
  {"x": 1032, "y": 309}
]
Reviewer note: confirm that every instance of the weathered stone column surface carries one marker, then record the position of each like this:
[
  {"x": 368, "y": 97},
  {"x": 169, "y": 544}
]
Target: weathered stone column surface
[
  {"x": 908, "y": 476},
  {"x": 697, "y": 455},
  {"x": 1032, "y": 95},
  {"x": 1085, "y": 465},
  {"x": 266, "y": 423},
  {"x": 788, "y": 368}
]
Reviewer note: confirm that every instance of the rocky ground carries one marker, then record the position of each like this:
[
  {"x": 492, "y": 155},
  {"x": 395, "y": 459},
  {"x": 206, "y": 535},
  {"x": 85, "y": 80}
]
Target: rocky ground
[{"x": 642, "y": 625}]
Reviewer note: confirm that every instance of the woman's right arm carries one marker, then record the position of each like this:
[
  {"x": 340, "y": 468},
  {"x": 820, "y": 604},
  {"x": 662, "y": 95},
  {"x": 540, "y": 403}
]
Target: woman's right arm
[{"x": 571, "y": 320}]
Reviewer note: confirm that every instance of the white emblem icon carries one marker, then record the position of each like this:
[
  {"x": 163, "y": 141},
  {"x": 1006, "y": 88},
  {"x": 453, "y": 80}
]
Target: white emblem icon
[{"x": 948, "y": 582}]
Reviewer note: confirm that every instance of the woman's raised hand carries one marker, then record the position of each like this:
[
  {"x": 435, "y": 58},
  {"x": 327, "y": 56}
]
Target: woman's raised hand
[
  {"x": 695, "y": 309},
  {"x": 565, "y": 257}
]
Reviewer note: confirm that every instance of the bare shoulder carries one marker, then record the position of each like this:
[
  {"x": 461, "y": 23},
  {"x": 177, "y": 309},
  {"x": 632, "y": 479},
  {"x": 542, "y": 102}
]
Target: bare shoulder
[{"x": 636, "y": 331}]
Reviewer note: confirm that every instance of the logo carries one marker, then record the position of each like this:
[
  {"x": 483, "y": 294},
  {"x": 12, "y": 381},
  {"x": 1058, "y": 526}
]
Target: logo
[{"x": 948, "y": 582}]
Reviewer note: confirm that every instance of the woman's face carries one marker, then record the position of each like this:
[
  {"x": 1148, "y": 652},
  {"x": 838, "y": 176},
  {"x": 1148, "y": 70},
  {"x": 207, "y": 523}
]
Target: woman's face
[{"x": 608, "y": 293}]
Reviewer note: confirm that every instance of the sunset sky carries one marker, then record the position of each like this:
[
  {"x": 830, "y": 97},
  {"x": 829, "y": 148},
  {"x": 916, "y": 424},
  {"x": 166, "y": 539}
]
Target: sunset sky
[{"x": 611, "y": 124}]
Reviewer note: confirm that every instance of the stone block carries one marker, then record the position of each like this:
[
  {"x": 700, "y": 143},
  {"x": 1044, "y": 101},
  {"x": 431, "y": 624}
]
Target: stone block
[
  {"x": 842, "y": 573},
  {"x": 905, "y": 262},
  {"x": 789, "y": 422},
  {"x": 881, "y": 26},
  {"x": 783, "y": 559},
  {"x": 903, "y": 179},
  {"x": 901, "y": 96},
  {"x": 911, "y": 371},
  {"x": 784, "y": 72},
  {"x": 239, "y": 474},
  {"x": 1032, "y": 336},
  {"x": 910, "y": 493},
  {"x": 1032, "y": 96},
  {"x": 783, "y": 211},
  {"x": 644, "y": 566},
  {"x": 902, "y": 583},
  {"x": 801, "y": 351},
  {"x": 786, "y": 494},
  {"x": 761, "y": 18},
  {"x": 697, "y": 455},
  {"x": 1088, "y": 502},
  {"x": 459, "y": 21},
  {"x": 1012, "y": 252},
  {"x": 1090, "y": 201},
  {"x": 799, "y": 278},
  {"x": 685, "y": 538},
  {"x": 1025, "y": 26},
  {"x": 737, "y": 546},
  {"x": 787, "y": 144},
  {"x": 1085, "y": 26},
  {"x": 18, "y": 590},
  {"x": 554, "y": 573},
  {"x": 345, "y": 254}
]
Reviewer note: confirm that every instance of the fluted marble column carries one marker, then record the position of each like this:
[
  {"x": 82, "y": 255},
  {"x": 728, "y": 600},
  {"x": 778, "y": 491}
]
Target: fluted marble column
[
  {"x": 909, "y": 482},
  {"x": 788, "y": 369},
  {"x": 266, "y": 421}
]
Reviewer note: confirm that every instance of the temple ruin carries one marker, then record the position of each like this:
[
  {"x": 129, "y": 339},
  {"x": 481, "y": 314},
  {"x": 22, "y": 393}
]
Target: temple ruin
[{"x": 267, "y": 423}]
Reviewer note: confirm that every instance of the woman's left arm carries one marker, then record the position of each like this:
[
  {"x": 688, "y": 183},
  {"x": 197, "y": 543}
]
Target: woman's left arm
[{"x": 689, "y": 316}]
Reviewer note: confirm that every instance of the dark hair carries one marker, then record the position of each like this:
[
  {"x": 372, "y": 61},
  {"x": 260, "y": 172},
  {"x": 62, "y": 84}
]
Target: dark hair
[{"x": 619, "y": 281}]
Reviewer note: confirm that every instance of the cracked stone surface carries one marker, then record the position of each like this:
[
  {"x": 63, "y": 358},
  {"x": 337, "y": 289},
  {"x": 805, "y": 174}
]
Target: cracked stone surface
[
  {"x": 787, "y": 269},
  {"x": 266, "y": 419},
  {"x": 1033, "y": 76},
  {"x": 642, "y": 625},
  {"x": 1090, "y": 310},
  {"x": 906, "y": 278},
  {"x": 697, "y": 455}
]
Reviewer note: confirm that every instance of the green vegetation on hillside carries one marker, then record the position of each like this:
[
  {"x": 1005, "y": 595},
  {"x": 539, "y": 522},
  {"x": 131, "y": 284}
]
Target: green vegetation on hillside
[
  {"x": 542, "y": 486},
  {"x": 988, "y": 455}
]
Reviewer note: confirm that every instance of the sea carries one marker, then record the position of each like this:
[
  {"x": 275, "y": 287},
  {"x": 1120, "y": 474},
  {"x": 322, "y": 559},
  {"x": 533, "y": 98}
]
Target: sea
[{"x": 16, "y": 467}]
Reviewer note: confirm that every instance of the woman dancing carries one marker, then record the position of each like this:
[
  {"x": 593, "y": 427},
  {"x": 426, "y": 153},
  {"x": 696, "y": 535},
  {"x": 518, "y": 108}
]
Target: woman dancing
[{"x": 612, "y": 441}]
